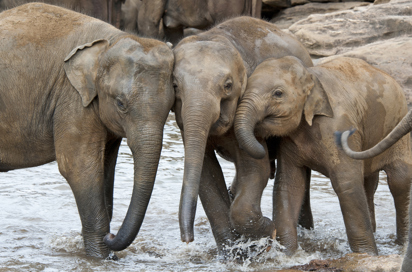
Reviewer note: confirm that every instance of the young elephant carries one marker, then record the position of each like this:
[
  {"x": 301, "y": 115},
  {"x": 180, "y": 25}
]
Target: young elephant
[
  {"x": 71, "y": 87},
  {"x": 304, "y": 107},
  {"x": 210, "y": 76}
]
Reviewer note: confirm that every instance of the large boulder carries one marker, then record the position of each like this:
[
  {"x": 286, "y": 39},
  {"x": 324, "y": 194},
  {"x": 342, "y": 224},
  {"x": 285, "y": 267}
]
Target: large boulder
[
  {"x": 287, "y": 17},
  {"x": 393, "y": 56},
  {"x": 339, "y": 32}
]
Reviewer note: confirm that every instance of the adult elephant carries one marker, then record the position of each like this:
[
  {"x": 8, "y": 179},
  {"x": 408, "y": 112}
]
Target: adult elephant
[
  {"x": 397, "y": 134},
  {"x": 179, "y": 14},
  {"x": 106, "y": 10},
  {"x": 210, "y": 76},
  {"x": 304, "y": 106},
  {"x": 71, "y": 87}
]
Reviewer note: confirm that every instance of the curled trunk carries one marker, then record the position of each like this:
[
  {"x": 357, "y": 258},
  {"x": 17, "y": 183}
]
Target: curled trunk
[
  {"x": 404, "y": 127},
  {"x": 146, "y": 155},
  {"x": 245, "y": 122}
]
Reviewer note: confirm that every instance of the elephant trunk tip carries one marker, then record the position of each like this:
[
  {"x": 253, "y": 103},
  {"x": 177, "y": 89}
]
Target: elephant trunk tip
[
  {"x": 111, "y": 242},
  {"x": 258, "y": 152}
]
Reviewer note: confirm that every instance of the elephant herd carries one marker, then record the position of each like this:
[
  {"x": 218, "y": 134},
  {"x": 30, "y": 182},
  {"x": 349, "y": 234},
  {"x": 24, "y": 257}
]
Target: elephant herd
[{"x": 72, "y": 86}]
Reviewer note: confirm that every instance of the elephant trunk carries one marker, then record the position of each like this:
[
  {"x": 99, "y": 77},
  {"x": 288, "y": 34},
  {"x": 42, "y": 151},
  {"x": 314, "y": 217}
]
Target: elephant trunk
[
  {"x": 197, "y": 121},
  {"x": 247, "y": 116},
  {"x": 404, "y": 127},
  {"x": 146, "y": 154}
]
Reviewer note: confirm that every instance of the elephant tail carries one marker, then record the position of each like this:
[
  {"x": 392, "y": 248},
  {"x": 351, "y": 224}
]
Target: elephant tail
[{"x": 403, "y": 127}]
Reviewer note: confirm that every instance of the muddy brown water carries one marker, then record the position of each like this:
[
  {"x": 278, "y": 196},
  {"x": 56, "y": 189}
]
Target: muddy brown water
[{"x": 40, "y": 227}]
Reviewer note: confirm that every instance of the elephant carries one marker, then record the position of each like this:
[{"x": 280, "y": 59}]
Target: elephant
[
  {"x": 396, "y": 135},
  {"x": 179, "y": 14},
  {"x": 209, "y": 77},
  {"x": 303, "y": 107},
  {"x": 71, "y": 87},
  {"x": 130, "y": 12},
  {"x": 106, "y": 10}
]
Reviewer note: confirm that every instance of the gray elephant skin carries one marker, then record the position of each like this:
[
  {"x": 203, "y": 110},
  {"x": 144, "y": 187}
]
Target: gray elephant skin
[
  {"x": 106, "y": 10},
  {"x": 71, "y": 87},
  {"x": 210, "y": 76},
  {"x": 398, "y": 133},
  {"x": 179, "y": 14},
  {"x": 305, "y": 107}
]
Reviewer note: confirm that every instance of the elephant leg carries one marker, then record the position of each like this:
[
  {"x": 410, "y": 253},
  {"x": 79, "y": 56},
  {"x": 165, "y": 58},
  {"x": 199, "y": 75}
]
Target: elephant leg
[
  {"x": 399, "y": 181},
  {"x": 110, "y": 155},
  {"x": 245, "y": 213},
  {"x": 348, "y": 182},
  {"x": 306, "y": 217},
  {"x": 407, "y": 261},
  {"x": 215, "y": 201},
  {"x": 371, "y": 184},
  {"x": 81, "y": 162},
  {"x": 288, "y": 197}
]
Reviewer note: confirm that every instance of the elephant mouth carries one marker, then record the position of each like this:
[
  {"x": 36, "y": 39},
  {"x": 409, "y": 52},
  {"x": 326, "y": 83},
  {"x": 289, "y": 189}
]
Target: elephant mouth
[
  {"x": 274, "y": 126},
  {"x": 221, "y": 126}
]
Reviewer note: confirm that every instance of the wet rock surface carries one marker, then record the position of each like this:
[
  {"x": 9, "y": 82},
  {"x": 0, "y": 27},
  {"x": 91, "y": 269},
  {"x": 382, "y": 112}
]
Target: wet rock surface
[
  {"x": 379, "y": 33},
  {"x": 353, "y": 262}
]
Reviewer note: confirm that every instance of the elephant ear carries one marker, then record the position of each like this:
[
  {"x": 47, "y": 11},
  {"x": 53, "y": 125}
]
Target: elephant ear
[
  {"x": 81, "y": 66},
  {"x": 317, "y": 102}
]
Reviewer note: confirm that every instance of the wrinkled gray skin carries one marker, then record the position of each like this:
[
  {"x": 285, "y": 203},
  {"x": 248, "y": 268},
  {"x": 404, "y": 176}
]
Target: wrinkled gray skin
[
  {"x": 106, "y": 10},
  {"x": 305, "y": 107},
  {"x": 398, "y": 133},
  {"x": 71, "y": 87},
  {"x": 179, "y": 14},
  {"x": 210, "y": 75}
]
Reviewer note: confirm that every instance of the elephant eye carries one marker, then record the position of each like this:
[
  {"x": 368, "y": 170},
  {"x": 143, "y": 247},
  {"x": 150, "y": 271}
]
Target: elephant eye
[
  {"x": 228, "y": 86},
  {"x": 277, "y": 93},
  {"x": 120, "y": 105}
]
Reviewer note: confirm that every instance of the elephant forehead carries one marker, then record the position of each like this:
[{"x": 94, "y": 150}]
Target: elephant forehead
[{"x": 129, "y": 51}]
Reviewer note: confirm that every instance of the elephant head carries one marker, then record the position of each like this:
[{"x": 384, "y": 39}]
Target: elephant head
[
  {"x": 279, "y": 93},
  {"x": 403, "y": 128},
  {"x": 209, "y": 79},
  {"x": 129, "y": 84}
]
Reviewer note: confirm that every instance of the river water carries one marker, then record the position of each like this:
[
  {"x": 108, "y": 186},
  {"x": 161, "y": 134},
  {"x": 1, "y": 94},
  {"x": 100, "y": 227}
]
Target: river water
[{"x": 40, "y": 227}]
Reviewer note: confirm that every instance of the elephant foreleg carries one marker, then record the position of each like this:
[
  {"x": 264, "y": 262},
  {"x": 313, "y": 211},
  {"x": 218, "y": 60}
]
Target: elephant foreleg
[
  {"x": 251, "y": 179},
  {"x": 306, "y": 217},
  {"x": 215, "y": 201},
  {"x": 81, "y": 162},
  {"x": 110, "y": 158},
  {"x": 288, "y": 196}
]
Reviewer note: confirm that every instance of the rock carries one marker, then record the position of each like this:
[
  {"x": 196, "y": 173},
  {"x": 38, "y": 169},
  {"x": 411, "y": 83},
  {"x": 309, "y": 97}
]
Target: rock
[
  {"x": 287, "y": 17},
  {"x": 355, "y": 262},
  {"x": 393, "y": 56},
  {"x": 277, "y": 3},
  {"x": 339, "y": 32}
]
